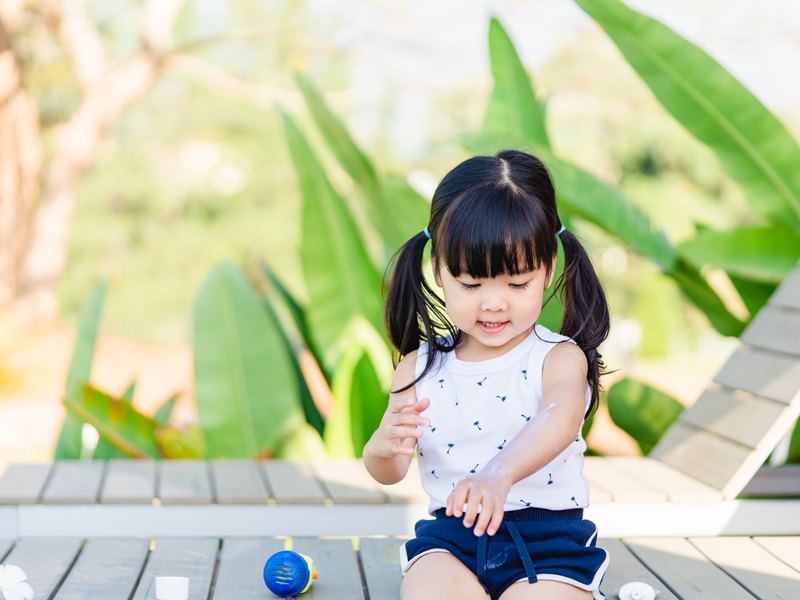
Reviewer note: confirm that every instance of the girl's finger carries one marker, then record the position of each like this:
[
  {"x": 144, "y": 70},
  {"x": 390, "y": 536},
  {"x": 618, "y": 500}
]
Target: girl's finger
[
  {"x": 487, "y": 512},
  {"x": 404, "y": 432},
  {"x": 473, "y": 502},
  {"x": 459, "y": 496},
  {"x": 497, "y": 517},
  {"x": 398, "y": 404},
  {"x": 409, "y": 419}
]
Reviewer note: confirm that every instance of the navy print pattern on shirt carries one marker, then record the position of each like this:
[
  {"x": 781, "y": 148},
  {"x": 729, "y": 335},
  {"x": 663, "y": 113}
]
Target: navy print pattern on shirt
[
  {"x": 481, "y": 381},
  {"x": 575, "y": 501},
  {"x": 478, "y": 425},
  {"x": 434, "y": 474},
  {"x": 550, "y": 479},
  {"x": 525, "y": 373},
  {"x": 500, "y": 447},
  {"x": 441, "y": 383},
  {"x": 525, "y": 503},
  {"x": 449, "y": 447},
  {"x": 473, "y": 469},
  {"x": 526, "y": 418},
  {"x": 502, "y": 398}
]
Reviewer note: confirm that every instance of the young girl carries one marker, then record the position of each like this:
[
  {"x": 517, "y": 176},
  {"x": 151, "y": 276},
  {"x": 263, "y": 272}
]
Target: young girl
[{"x": 494, "y": 402}]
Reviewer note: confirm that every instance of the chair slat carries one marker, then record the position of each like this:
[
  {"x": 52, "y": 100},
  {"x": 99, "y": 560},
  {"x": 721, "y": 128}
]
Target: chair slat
[
  {"x": 106, "y": 568},
  {"x": 765, "y": 374},
  {"x": 184, "y": 482},
  {"x": 678, "y": 486},
  {"x": 348, "y": 482},
  {"x": 407, "y": 491},
  {"x": 624, "y": 486},
  {"x": 23, "y": 484},
  {"x": 684, "y": 568},
  {"x": 743, "y": 420},
  {"x": 706, "y": 457},
  {"x": 624, "y": 567},
  {"x": 785, "y": 548},
  {"x": 752, "y": 566},
  {"x": 293, "y": 482},
  {"x": 129, "y": 482},
  {"x": 774, "y": 328},
  {"x": 194, "y": 558},
  {"x": 783, "y": 482},
  {"x": 74, "y": 482},
  {"x": 788, "y": 293},
  {"x": 380, "y": 558},
  {"x": 335, "y": 560},
  {"x": 241, "y": 566},
  {"x": 599, "y": 494},
  {"x": 45, "y": 561},
  {"x": 5, "y": 546},
  {"x": 239, "y": 482}
]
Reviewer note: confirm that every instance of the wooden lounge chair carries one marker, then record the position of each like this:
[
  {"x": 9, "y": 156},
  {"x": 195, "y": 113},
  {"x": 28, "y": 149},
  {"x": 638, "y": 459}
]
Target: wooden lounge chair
[{"x": 687, "y": 486}]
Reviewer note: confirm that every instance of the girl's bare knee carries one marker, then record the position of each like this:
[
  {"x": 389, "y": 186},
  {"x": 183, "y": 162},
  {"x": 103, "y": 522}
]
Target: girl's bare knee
[
  {"x": 442, "y": 576},
  {"x": 545, "y": 590}
]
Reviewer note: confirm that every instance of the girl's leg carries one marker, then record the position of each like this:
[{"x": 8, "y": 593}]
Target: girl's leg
[
  {"x": 442, "y": 576},
  {"x": 545, "y": 590}
]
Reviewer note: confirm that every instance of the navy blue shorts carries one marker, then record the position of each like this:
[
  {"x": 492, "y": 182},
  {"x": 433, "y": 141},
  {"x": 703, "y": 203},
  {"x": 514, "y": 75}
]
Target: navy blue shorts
[{"x": 531, "y": 544}]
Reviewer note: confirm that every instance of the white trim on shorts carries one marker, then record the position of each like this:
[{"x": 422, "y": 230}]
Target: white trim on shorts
[{"x": 405, "y": 564}]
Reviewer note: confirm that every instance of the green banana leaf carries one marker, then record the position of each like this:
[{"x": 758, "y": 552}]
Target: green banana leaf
[
  {"x": 245, "y": 385},
  {"x": 753, "y": 146},
  {"x": 760, "y": 254},
  {"x": 754, "y": 294},
  {"x": 513, "y": 111},
  {"x": 340, "y": 278},
  {"x": 360, "y": 404},
  {"x": 69, "y": 440},
  {"x": 164, "y": 412},
  {"x": 553, "y": 311},
  {"x": 642, "y": 411},
  {"x": 794, "y": 446},
  {"x": 395, "y": 210},
  {"x": 181, "y": 443},
  {"x": 302, "y": 444},
  {"x": 106, "y": 450},
  {"x": 117, "y": 422}
]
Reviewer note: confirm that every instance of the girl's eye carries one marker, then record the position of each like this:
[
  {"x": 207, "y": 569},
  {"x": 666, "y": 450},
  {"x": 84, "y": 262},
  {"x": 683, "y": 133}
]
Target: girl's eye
[
  {"x": 469, "y": 286},
  {"x": 519, "y": 286}
]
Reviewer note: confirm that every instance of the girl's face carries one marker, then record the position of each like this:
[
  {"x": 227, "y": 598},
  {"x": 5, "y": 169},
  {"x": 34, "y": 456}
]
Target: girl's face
[{"x": 496, "y": 313}]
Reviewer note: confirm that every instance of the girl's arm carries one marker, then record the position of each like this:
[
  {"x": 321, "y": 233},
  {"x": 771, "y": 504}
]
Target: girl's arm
[
  {"x": 388, "y": 452},
  {"x": 542, "y": 438}
]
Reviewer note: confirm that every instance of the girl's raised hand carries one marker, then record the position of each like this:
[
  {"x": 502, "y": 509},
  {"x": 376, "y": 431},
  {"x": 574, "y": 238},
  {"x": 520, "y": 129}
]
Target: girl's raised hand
[
  {"x": 487, "y": 490},
  {"x": 400, "y": 422}
]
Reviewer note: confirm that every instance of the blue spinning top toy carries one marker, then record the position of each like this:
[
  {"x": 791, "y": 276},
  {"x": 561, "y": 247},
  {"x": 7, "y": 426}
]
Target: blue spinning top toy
[{"x": 288, "y": 573}]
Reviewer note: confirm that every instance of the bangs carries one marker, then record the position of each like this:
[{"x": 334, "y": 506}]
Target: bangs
[{"x": 495, "y": 230}]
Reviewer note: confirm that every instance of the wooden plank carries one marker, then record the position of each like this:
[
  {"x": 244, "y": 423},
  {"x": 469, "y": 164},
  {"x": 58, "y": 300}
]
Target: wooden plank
[
  {"x": 624, "y": 567},
  {"x": 763, "y": 373},
  {"x": 45, "y": 562},
  {"x": 678, "y": 486},
  {"x": 5, "y": 546},
  {"x": 706, "y": 457},
  {"x": 293, "y": 482},
  {"x": 786, "y": 549},
  {"x": 746, "y": 421},
  {"x": 348, "y": 482},
  {"x": 774, "y": 482},
  {"x": 74, "y": 482},
  {"x": 180, "y": 557},
  {"x": 184, "y": 482},
  {"x": 336, "y": 562},
  {"x": 623, "y": 486},
  {"x": 239, "y": 482},
  {"x": 774, "y": 328},
  {"x": 107, "y": 569},
  {"x": 380, "y": 558},
  {"x": 408, "y": 490},
  {"x": 752, "y": 566},
  {"x": 23, "y": 484},
  {"x": 241, "y": 566},
  {"x": 129, "y": 482},
  {"x": 689, "y": 574},
  {"x": 788, "y": 292},
  {"x": 598, "y": 494}
]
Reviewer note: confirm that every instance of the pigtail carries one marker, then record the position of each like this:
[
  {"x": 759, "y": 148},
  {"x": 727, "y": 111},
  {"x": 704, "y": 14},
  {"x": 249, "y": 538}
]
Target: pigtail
[
  {"x": 414, "y": 312},
  {"x": 586, "y": 318}
]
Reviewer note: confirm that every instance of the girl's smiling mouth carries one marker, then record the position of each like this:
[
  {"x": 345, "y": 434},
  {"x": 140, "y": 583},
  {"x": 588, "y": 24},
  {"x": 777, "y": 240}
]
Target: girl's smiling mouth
[{"x": 492, "y": 326}]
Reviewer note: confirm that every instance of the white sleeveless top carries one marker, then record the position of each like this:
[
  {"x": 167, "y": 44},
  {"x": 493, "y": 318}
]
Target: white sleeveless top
[{"x": 477, "y": 408}]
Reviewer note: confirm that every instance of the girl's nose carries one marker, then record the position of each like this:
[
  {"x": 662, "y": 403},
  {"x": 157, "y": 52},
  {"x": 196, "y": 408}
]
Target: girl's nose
[{"x": 494, "y": 303}]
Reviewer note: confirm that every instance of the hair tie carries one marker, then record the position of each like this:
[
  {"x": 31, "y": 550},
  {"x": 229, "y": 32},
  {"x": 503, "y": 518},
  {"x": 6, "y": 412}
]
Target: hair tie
[
  {"x": 427, "y": 233},
  {"x": 562, "y": 230}
]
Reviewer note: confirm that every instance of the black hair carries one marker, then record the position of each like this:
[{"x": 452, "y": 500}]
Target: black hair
[{"x": 494, "y": 215}]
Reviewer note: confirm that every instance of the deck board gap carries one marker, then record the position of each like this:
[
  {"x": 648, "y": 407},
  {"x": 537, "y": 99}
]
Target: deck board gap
[
  {"x": 654, "y": 573},
  {"x": 363, "y": 575},
  {"x": 141, "y": 572},
  {"x": 68, "y": 570},
  {"x": 213, "y": 587}
]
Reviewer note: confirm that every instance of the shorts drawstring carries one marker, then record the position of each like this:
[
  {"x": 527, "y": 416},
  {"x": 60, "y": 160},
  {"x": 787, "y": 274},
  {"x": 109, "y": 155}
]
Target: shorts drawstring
[{"x": 483, "y": 543}]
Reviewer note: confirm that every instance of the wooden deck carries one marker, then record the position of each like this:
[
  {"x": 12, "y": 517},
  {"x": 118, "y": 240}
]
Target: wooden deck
[
  {"x": 737, "y": 568},
  {"x": 629, "y": 497}
]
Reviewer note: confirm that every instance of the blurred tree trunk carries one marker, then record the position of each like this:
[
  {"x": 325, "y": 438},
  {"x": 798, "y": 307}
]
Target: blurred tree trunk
[
  {"x": 20, "y": 163},
  {"x": 33, "y": 247}
]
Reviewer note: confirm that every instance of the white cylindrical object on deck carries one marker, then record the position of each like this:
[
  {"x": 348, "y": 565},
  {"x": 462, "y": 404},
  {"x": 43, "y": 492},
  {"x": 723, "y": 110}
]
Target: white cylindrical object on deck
[
  {"x": 172, "y": 588},
  {"x": 636, "y": 590}
]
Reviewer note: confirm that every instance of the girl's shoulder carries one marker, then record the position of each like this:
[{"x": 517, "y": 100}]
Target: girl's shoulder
[{"x": 552, "y": 338}]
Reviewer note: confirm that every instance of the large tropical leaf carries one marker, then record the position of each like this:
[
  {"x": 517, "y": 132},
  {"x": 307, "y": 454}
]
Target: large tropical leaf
[
  {"x": 302, "y": 444},
  {"x": 340, "y": 279},
  {"x": 513, "y": 110},
  {"x": 753, "y": 146},
  {"x": 395, "y": 210},
  {"x": 754, "y": 294},
  {"x": 643, "y": 412},
  {"x": 245, "y": 384},
  {"x": 105, "y": 449},
  {"x": 80, "y": 367},
  {"x": 360, "y": 403},
  {"x": 763, "y": 254}
]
